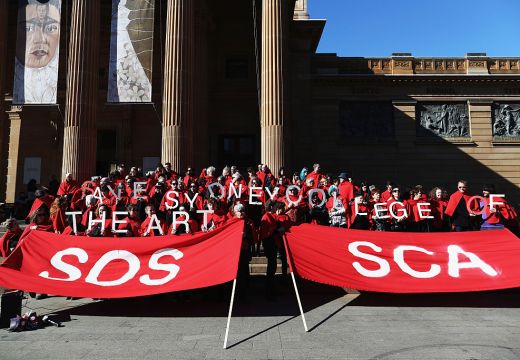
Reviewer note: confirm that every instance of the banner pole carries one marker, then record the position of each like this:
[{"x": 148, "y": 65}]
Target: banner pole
[
  {"x": 289, "y": 259},
  {"x": 230, "y": 311}
]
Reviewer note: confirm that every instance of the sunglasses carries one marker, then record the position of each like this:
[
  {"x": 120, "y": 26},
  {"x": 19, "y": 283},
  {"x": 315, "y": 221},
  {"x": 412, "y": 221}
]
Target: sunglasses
[{"x": 396, "y": 190}]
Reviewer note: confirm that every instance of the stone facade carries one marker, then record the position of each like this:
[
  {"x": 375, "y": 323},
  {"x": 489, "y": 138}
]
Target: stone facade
[{"x": 413, "y": 120}]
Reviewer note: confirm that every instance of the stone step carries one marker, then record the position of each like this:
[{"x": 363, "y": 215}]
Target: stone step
[
  {"x": 260, "y": 269},
  {"x": 260, "y": 260}
]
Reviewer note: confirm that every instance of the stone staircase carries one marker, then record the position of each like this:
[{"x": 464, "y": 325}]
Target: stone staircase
[{"x": 258, "y": 266}]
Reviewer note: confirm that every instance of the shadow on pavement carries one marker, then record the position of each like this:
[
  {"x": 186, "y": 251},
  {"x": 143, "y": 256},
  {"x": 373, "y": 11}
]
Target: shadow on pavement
[
  {"x": 214, "y": 302},
  {"x": 508, "y": 298}
]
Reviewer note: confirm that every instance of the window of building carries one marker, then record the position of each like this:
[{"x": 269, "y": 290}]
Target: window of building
[{"x": 32, "y": 169}]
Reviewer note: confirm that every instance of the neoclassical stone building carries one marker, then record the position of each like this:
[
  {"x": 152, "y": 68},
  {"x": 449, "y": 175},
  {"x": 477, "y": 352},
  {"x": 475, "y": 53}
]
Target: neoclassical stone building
[{"x": 240, "y": 82}]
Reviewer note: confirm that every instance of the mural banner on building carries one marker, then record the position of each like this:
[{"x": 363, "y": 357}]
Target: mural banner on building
[
  {"x": 65, "y": 265},
  {"x": 37, "y": 52},
  {"x": 131, "y": 48},
  {"x": 402, "y": 262}
]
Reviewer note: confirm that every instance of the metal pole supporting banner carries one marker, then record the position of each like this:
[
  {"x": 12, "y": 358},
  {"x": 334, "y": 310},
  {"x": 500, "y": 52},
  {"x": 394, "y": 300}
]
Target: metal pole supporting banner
[
  {"x": 230, "y": 311},
  {"x": 289, "y": 259}
]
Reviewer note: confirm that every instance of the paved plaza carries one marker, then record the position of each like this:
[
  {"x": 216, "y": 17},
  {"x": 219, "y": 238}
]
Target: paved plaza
[{"x": 343, "y": 325}]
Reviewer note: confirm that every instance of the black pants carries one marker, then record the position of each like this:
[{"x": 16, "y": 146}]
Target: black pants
[
  {"x": 243, "y": 273},
  {"x": 271, "y": 252}
]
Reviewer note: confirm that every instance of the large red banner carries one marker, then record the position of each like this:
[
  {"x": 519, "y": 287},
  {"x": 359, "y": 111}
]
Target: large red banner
[
  {"x": 122, "y": 267},
  {"x": 406, "y": 262}
]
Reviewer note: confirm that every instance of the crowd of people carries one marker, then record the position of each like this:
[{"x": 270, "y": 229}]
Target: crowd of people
[{"x": 167, "y": 202}]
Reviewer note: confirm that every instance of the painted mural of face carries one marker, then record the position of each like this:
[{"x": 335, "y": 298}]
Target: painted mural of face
[{"x": 41, "y": 27}]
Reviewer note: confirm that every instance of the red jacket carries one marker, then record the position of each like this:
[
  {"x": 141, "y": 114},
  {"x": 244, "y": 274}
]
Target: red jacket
[
  {"x": 4, "y": 241},
  {"x": 346, "y": 190},
  {"x": 68, "y": 187}
]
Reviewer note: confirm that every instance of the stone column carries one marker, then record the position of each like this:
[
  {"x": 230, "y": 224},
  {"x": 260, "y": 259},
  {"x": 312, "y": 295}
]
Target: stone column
[
  {"x": 177, "y": 117},
  {"x": 4, "y": 8},
  {"x": 79, "y": 142},
  {"x": 14, "y": 148},
  {"x": 272, "y": 117}
]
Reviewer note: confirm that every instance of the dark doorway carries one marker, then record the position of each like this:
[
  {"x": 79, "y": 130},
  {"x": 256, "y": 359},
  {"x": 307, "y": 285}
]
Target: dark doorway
[
  {"x": 106, "y": 150},
  {"x": 237, "y": 150}
]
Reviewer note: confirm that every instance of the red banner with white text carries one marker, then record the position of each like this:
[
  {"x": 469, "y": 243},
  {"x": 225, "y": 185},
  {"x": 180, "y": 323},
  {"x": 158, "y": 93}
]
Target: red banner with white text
[
  {"x": 406, "y": 262},
  {"x": 122, "y": 267}
]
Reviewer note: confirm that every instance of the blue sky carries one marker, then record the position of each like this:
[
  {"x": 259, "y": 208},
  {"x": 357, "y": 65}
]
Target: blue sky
[{"x": 424, "y": 28}]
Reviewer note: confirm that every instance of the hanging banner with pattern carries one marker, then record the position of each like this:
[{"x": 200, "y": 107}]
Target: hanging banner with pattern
[
  {"x": 37, "y": 52},
  {"x": 131, "y": 49}
]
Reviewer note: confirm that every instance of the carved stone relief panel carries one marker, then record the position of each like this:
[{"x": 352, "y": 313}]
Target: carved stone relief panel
[
  {"x": 506, "y": 120},
  {"x": 449, "y": 120}
]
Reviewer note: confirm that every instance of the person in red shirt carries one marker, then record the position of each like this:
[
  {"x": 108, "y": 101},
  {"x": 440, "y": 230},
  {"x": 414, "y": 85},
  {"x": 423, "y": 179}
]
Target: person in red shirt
[
  {"x": 346, "y": 188},
  {"x": 359, "y": 213},
  {"x": 68, "y": 186},
  {"x": 103, "y": 225},
  {"x": 108, "y": 198},
  {"x": 42, "y": 200},
  {"x": 337, "y": 208},
  {"x": 193, "y": 225},
  {"x": 401, "y": 210},
  {"x": 415, "y": 222},
  {"x": 189, "y": 176},
  {"x": 387, "y": 194},
  {"x": 315, "y": 174},
  {"x": 457, "y": 208},
  {"x": 248, "y": 239},
  {"x": 497, "y": 216},
  {"x": 215, "y": 219},
  {"x": 11, "y": 237},
  {"x": 131, "y": 223},
  {"x": 438, "y": 207},
  {"x": 40, "y": 221},
  {"x": 377, "y": 223},
  {"x": 146, "y": 229},
  {"x": 272, "y": 228},
  {"x": 57, "y": 213}
]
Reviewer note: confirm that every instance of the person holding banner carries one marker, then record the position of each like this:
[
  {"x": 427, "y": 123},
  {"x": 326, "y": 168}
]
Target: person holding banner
[
  {"x": 152, "y": 225},
  {"x": 496, "y": 212},
  {"x": 102, "y": 225},
  {"x": 11, "y": 237},
  {"x": 42, "y": 200},
  {"x": 399, "y": 210},
  {"x": 358, "y": 218},
  {"x": 337, "y": 208},
  {"x": 130, "y": 223},
  {"x": 457, "y": 208},
  {"x": 438, "y": 207},
  {"x": 272, "y": 227},
  {"x": 243, "y": 275}
]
